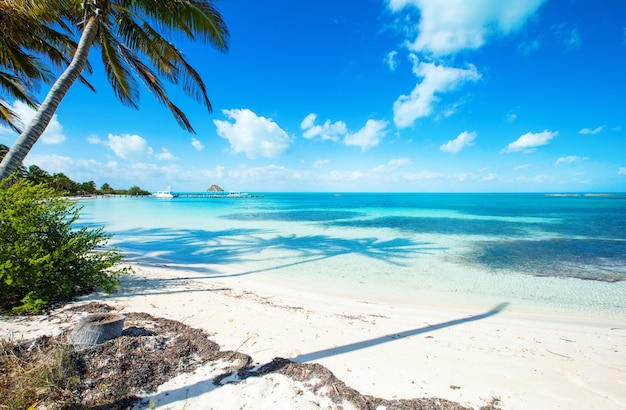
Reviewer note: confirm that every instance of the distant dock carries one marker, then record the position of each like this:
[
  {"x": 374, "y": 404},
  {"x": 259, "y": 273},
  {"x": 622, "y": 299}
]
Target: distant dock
[{"x": 215, "y": 195}]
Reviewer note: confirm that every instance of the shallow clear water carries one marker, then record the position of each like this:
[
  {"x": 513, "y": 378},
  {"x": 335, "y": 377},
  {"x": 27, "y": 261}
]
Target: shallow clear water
[{"x": 564, "y": 255}]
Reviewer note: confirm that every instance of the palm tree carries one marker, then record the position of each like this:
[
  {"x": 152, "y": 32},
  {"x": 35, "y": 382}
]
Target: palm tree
[
  {"x": 27, "y": 45},
  {"x": 127, "y": 33}
]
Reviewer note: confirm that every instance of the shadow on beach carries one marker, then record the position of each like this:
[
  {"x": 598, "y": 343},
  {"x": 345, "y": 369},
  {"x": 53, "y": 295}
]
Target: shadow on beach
[
  {"x": 300, "y": 369},
  {"x": 195, "y": 250}
]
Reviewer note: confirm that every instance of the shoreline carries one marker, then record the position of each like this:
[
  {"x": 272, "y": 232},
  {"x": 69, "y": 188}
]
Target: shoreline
[{"x": 386, "y": 350}]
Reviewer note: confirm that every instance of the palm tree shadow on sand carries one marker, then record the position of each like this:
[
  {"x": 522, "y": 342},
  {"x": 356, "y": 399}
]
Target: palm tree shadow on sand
[
  {"x": 275, "y": 366},
  {"x": 334, "y": 351}
]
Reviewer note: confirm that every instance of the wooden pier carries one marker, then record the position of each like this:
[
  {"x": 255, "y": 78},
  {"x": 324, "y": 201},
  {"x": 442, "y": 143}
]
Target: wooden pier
[{"x": 215, "y": 195}]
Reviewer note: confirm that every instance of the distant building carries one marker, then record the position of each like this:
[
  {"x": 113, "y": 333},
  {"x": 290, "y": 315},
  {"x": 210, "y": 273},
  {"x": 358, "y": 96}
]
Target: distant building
[{"x": 215, "y": 188}]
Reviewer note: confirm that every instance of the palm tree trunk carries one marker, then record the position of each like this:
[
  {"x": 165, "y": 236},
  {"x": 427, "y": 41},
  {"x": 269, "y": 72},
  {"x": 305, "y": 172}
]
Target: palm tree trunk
[{"x": 37, "y": 126}]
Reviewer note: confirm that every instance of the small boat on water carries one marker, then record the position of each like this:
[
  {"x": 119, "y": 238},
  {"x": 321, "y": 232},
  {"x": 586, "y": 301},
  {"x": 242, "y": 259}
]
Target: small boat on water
[{"x": 164, "y": 194}]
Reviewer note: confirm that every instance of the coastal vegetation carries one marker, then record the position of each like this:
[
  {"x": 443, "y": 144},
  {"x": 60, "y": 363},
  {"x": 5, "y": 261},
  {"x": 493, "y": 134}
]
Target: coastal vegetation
[
  {"x": 44, "y": 257},
  {"x": 63, "y": 185},
  {"x": 136, "y": 43}
]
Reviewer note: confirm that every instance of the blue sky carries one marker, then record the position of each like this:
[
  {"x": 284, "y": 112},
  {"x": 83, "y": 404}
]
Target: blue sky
[{"x": 374, "y": 95}]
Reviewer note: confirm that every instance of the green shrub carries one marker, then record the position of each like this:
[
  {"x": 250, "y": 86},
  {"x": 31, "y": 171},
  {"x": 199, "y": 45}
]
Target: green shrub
[{"x": 43, "y": 257}]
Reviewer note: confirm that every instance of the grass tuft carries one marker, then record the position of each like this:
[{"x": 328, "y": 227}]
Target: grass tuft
[{"x": 39, "y": 375}]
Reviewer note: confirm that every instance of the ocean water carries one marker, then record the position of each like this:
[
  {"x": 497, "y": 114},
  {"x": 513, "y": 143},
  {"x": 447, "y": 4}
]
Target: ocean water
[{"x": 563, "y": 255}]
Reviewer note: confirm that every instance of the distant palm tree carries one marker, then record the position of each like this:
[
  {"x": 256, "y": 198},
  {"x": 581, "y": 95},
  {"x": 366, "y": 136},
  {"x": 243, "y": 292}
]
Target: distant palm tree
[
  {"x": 128, "y": 33},
  {"x": 27, "y": 45}
]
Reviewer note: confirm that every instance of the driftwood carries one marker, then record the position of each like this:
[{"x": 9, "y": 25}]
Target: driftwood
[{"x": 96, "y": 328}]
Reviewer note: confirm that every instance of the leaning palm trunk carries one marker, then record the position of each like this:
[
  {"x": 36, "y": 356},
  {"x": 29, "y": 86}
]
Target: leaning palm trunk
[
  {"x": 12, "y": 160},
  {"x": 131, "y": 49}
]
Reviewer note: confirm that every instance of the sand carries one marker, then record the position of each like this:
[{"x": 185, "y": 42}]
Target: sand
[{"x": 380, "y": 349}]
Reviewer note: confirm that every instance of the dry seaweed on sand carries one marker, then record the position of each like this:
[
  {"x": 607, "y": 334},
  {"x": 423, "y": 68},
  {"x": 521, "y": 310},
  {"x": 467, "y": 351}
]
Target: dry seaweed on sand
[{"x": 151, "y": 351}]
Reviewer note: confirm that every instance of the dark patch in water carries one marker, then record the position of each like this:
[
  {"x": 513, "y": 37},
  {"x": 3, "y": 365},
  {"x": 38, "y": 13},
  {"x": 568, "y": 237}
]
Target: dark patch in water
[
  {"x": 591, "y": 259},
  {"x": 294, "y": 216}
]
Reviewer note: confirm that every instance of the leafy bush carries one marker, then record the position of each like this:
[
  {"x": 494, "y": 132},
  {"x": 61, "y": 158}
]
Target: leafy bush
[{"x": 43, "y": 257}]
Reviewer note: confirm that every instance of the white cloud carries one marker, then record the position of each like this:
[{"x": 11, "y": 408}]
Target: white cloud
[
  {"x": 569, "y": 159},
  {"x": 449, "y": 26},
  {"x": 253, "y": 135},
  {"x": 53, "y": 133},
  {"x": 510, "y": 117},
  {"x": 622, "y": 171},
  {"x": 529, "y": 142},
  {"x": 217, "y": 172},
  {"x": 329, "y": 131},
  {"x": 369, "y": 136},
  {"x": 131, "y": 147},
  {"x": 589, "y": 131},
  {"x": 94, "y": 139},
  {"x": 399, "y": 162},
  {"x": 464, "y": 139},
  {"x": 77, "y": 169},
  {"x": 436, "y": 79},
  {"x": 523, "y": 166},
  {"x": 423, "y": 176},
  {"x": 196, "y": 144},
  {"x": 270, "y": 172},
  {"x": 165, "y": 155},
  {"x": 489, "y": 177},
  {"x": 392, "y": 165},
  {"x": 308, "y": 121},
  {"x": 320, "y": 163},
  {"x": 391, "y": 60}
]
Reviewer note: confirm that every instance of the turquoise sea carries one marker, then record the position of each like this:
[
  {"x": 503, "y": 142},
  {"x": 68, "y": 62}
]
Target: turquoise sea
[{"x": 560, "y": 255}]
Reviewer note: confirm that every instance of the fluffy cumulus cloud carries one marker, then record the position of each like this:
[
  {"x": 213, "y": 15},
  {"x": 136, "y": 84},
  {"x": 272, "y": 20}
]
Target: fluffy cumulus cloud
[
  {"x": 165, "y": 155},
  {"x": 529, "y": 142},
  {"x": 570, "y": 159},
  {"x": 197, "y": 145},
  {"x": 369, "y": 136},
  {"x": 328, "y": 131},
  {"x": 436, "y": 79},
  {"x": 464, "y": 139},
  {"x": 448, "y": 26},
  {"x": 53, "y": 133},
  {"x": 130, "y": 147},
  {"x": 253, "y": 135}
]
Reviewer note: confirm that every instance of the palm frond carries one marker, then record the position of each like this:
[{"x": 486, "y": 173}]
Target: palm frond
[
  {"x": 9, "y": 118},
  {"x": 195, "y": 19},
  {"x": 164, "y": 56},
  {"x": 152, "y": 83},
  {"x": 17, "y": 89},
  {"x": 143, "y": 40},
  {"x": 118, "y": 73}
]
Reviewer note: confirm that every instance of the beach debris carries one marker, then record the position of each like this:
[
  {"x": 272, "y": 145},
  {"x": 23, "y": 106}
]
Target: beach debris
[{"x": 96, "y": 328}]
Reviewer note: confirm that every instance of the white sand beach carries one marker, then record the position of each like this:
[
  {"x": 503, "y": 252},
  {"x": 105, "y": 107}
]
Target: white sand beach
[{"x": 380, "y": 349}]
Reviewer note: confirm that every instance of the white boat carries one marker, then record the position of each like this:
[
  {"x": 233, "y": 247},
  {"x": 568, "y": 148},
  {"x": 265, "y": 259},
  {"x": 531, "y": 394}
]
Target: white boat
[{"x": 164, "y": 194}]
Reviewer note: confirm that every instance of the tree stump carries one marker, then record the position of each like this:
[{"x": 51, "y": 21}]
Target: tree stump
[{"x": 96, "y": 328}]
